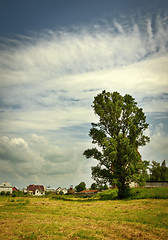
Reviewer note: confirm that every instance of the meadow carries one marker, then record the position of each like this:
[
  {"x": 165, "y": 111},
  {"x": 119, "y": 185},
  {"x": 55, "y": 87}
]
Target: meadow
[{"x": 68, "y": 217}]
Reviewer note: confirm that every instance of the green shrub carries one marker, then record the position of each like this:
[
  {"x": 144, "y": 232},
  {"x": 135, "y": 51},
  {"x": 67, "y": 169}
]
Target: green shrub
[
  {"x": 2, "y": 193},
  {"x": 7, "y": 193},
  {"x": 135, "y": 193},
  {"x": 108, "y": 195},
  {"x": 13, "y": 194}
]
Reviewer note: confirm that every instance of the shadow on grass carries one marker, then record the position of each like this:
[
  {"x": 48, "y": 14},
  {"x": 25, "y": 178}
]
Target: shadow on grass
[{"x": 75, "y": 199}]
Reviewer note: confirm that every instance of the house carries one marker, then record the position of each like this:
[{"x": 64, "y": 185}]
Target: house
[
  {"x": 15, "y": 189},
  {"x": 36, "y": 190},
  {"x": 6, "y": 187},
  {"x": 24, "y": 190},
  {"x": 88, "y": 192},
  {"x": 58, "y": 190},
  {"x": 64, "y": 190},
  {"x": 61, "y": 190}
]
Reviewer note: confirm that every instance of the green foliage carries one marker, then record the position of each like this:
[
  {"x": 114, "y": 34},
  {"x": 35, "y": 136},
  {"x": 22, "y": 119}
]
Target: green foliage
[
  {"x": 105, "y": 187},
  {"x": 118, "y": 134},
  {"x": 149, "y": 193},
  {"x": 7, "y": 193},
  {"x": 158, "y": 172},
  {"x": 102, "y": 187},
  {"x": 18, "y": 194},
  {"x": 13, "y": 194},
  {"x": 80, "y": 187},
  {"x": 144, "y": 174},
  {"x": 2, "y": 193},
  {"x": 93, "y": 186},
  {"x": 135, "y": 193},
  {"x": 108, "y": 195}
]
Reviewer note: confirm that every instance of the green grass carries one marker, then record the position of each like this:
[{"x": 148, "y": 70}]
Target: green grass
[
  {"x": 150, "y": 193},
  {"x": 68, "y": 217},
  {"x": 136, "y": 193}
]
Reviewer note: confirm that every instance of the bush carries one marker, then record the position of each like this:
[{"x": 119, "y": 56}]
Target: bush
[
  {"x": 2, "y": 193},
  {"x": 7, "y": 193},
  {"x": 13, "y": 194},
  {"x": 18, "y": 194},
  {"x": 108, "y": 194}
]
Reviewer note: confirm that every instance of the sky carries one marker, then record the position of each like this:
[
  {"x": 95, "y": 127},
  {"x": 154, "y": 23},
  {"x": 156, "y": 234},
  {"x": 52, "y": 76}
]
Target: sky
[{"x": 55, "y": 56}]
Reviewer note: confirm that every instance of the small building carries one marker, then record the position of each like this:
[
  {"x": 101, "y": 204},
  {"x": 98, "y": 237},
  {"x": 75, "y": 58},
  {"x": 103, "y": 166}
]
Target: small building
[
  {"x": 71, "y": 191},
  {"x": 151, "y": 184},
  {"x": 36, "y": 190},
  {"x": 64, "y": 190},
  {"x": 61, "y": 190},
  {"x": 58, "y": 190},
  {"x": 6, "y": 187},
  {"x": 24, "y": 190},
  {"x": 15, "y": 189},
  {"x": 49, "y": 189}
]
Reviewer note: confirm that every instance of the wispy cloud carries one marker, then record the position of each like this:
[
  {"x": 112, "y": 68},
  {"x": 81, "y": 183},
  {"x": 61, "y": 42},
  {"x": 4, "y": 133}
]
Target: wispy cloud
[{"x": 48, "y": 81}]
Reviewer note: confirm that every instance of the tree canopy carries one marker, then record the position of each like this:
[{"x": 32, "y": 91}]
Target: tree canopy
[
  {"x": 118, "y": 134},
  {"x": 93, "y": 186},
  {"x": 80, "y": 187},
  {"x": 158, "y": 172}
]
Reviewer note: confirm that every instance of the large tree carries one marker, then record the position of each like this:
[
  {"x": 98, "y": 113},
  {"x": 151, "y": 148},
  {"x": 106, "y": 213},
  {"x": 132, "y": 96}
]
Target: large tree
[{"x": 118, "y": 134}]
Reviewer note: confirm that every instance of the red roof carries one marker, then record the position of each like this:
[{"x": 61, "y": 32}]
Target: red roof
[
  {"x": 33, "y": 188},
  {"x": 15, "y": 189}
]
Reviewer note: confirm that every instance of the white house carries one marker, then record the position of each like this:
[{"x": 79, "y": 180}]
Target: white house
[
  {"x": 59, "y": 189},
  {"x": 64, "y": 190},
  {"x": 5, "y": 187},
  {"x": 36, "y": 190}
]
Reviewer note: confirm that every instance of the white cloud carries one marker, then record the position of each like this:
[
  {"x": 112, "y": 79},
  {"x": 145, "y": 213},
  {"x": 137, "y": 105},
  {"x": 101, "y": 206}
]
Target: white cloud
[
  {"x": 157, "y": 149},
  {"x": 48, "y": 83},
  {"x": 40, "y": 161},
  {"x": 14, "y": 149}
]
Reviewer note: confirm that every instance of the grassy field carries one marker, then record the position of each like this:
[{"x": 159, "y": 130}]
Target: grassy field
[{"x": 73, "y": 218}]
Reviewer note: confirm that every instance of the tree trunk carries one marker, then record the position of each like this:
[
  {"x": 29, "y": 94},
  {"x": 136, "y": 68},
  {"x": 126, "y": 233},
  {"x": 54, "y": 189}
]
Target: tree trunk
[{"x": 123, "y": 188}]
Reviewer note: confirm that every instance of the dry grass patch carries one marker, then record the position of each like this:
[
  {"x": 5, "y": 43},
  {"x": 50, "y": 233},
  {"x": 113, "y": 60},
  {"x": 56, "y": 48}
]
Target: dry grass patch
[{"x": 42, "y": 218}]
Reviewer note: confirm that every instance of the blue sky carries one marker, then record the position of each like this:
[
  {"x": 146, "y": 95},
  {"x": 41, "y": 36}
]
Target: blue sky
[{"x": 55, "y": 56}]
